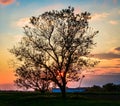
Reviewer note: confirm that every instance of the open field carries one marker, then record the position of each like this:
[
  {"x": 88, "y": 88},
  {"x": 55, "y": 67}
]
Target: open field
[{"x": 37, "y": 99}]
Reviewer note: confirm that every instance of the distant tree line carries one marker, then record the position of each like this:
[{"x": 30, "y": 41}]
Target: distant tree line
[{"x": 109, "y": 87}]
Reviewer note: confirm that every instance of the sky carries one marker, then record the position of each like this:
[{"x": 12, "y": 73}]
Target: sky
[{"x": 14, "y": 14}]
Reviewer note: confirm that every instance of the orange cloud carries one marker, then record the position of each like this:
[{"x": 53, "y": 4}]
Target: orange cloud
[
  {"x": 106, "y": 71},
  {"x": 109, "y": 62},
  {"x": 112, "y": 54},
  {"x": 6, "y": 2},
  {"x": 115, "y": 50},
  {"x": 99, "y": 16},
  {"x": 113, "y": 22}
]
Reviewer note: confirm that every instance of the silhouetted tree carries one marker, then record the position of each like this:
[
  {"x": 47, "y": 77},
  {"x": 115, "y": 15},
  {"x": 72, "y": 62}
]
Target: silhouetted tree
[
  {"x": 111, "y": 87},
  {"x": 29, "y": 76},
  {"x": 59, "y": 42},
  {"x": 95, "y": 88},
  {"x": 118, "y": 87}
]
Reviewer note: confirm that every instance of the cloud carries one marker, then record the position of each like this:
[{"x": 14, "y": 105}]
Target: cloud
[
  {"x": 17, "y": 38},
  {"x": 22, "y": 22},
  {"x": 115, "y": 1},
  {"x": 111, "y": 67},
  {"x": 100, "y": 16},
  {"x": 25, "y": 21},
  {"x": 107, "y": 55},
  {"x": 118, "y": 48},
  {"x": 109, "y": 63},
  {"x": 6, "y": 2},
  {"x": 113, "y": 22},
  {"x": 119, "y": 12},
  {"x": 106, "y": 71},
  {"x": 77, "y": 10},
  {"x": 107, "y": 66},
  {"x": 113, "y": 54}
]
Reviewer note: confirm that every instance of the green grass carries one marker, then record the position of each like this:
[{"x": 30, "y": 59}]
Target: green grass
[{"x": 37, "y": 99}]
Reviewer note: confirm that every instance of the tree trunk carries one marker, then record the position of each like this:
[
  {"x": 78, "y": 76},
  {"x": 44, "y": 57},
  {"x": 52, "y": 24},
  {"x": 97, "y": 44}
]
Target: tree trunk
[{"x": 63, "y": 90}]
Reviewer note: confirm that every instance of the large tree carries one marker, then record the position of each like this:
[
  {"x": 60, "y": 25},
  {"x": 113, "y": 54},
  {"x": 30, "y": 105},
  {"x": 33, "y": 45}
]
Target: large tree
[{"x": 59, "y": 42}]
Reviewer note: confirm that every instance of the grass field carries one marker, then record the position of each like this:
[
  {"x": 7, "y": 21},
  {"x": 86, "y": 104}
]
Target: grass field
[{"x": 37, "y": 99}]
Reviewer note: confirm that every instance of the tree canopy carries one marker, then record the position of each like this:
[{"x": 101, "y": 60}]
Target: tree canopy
[{"x": 57, "y": 43}]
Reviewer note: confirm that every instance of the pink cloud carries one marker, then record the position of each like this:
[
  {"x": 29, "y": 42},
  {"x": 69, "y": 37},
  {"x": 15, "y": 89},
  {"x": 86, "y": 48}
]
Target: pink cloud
[
  {"x": 106, "y": 71},
  {"x": 22, "y": 22},
  {"x": 113, "y": 22},
  {"x": 77, "y": 10},
  {"x": 105, "y": 2},
  {"x": 115, "y": 1},
  {"x": 6, "y": 2}
]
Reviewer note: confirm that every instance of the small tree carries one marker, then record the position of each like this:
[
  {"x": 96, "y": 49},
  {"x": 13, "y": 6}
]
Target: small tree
[
  {"x": 110, "y": 87},
  {"x": 29, "y": 76},
  {"x": 59, "y": 42}
]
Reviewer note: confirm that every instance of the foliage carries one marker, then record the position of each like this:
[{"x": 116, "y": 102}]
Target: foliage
[
  {"x": 58, "y": 42},
  {"x": 30, "y": 77},
  {"x": 109, "y": 87},
  {"x": 95, "y": 88}
]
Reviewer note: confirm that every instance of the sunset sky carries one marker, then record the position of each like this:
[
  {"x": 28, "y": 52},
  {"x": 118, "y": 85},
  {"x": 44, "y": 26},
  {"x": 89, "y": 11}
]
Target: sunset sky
[{"x": 14, "y": 14}]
